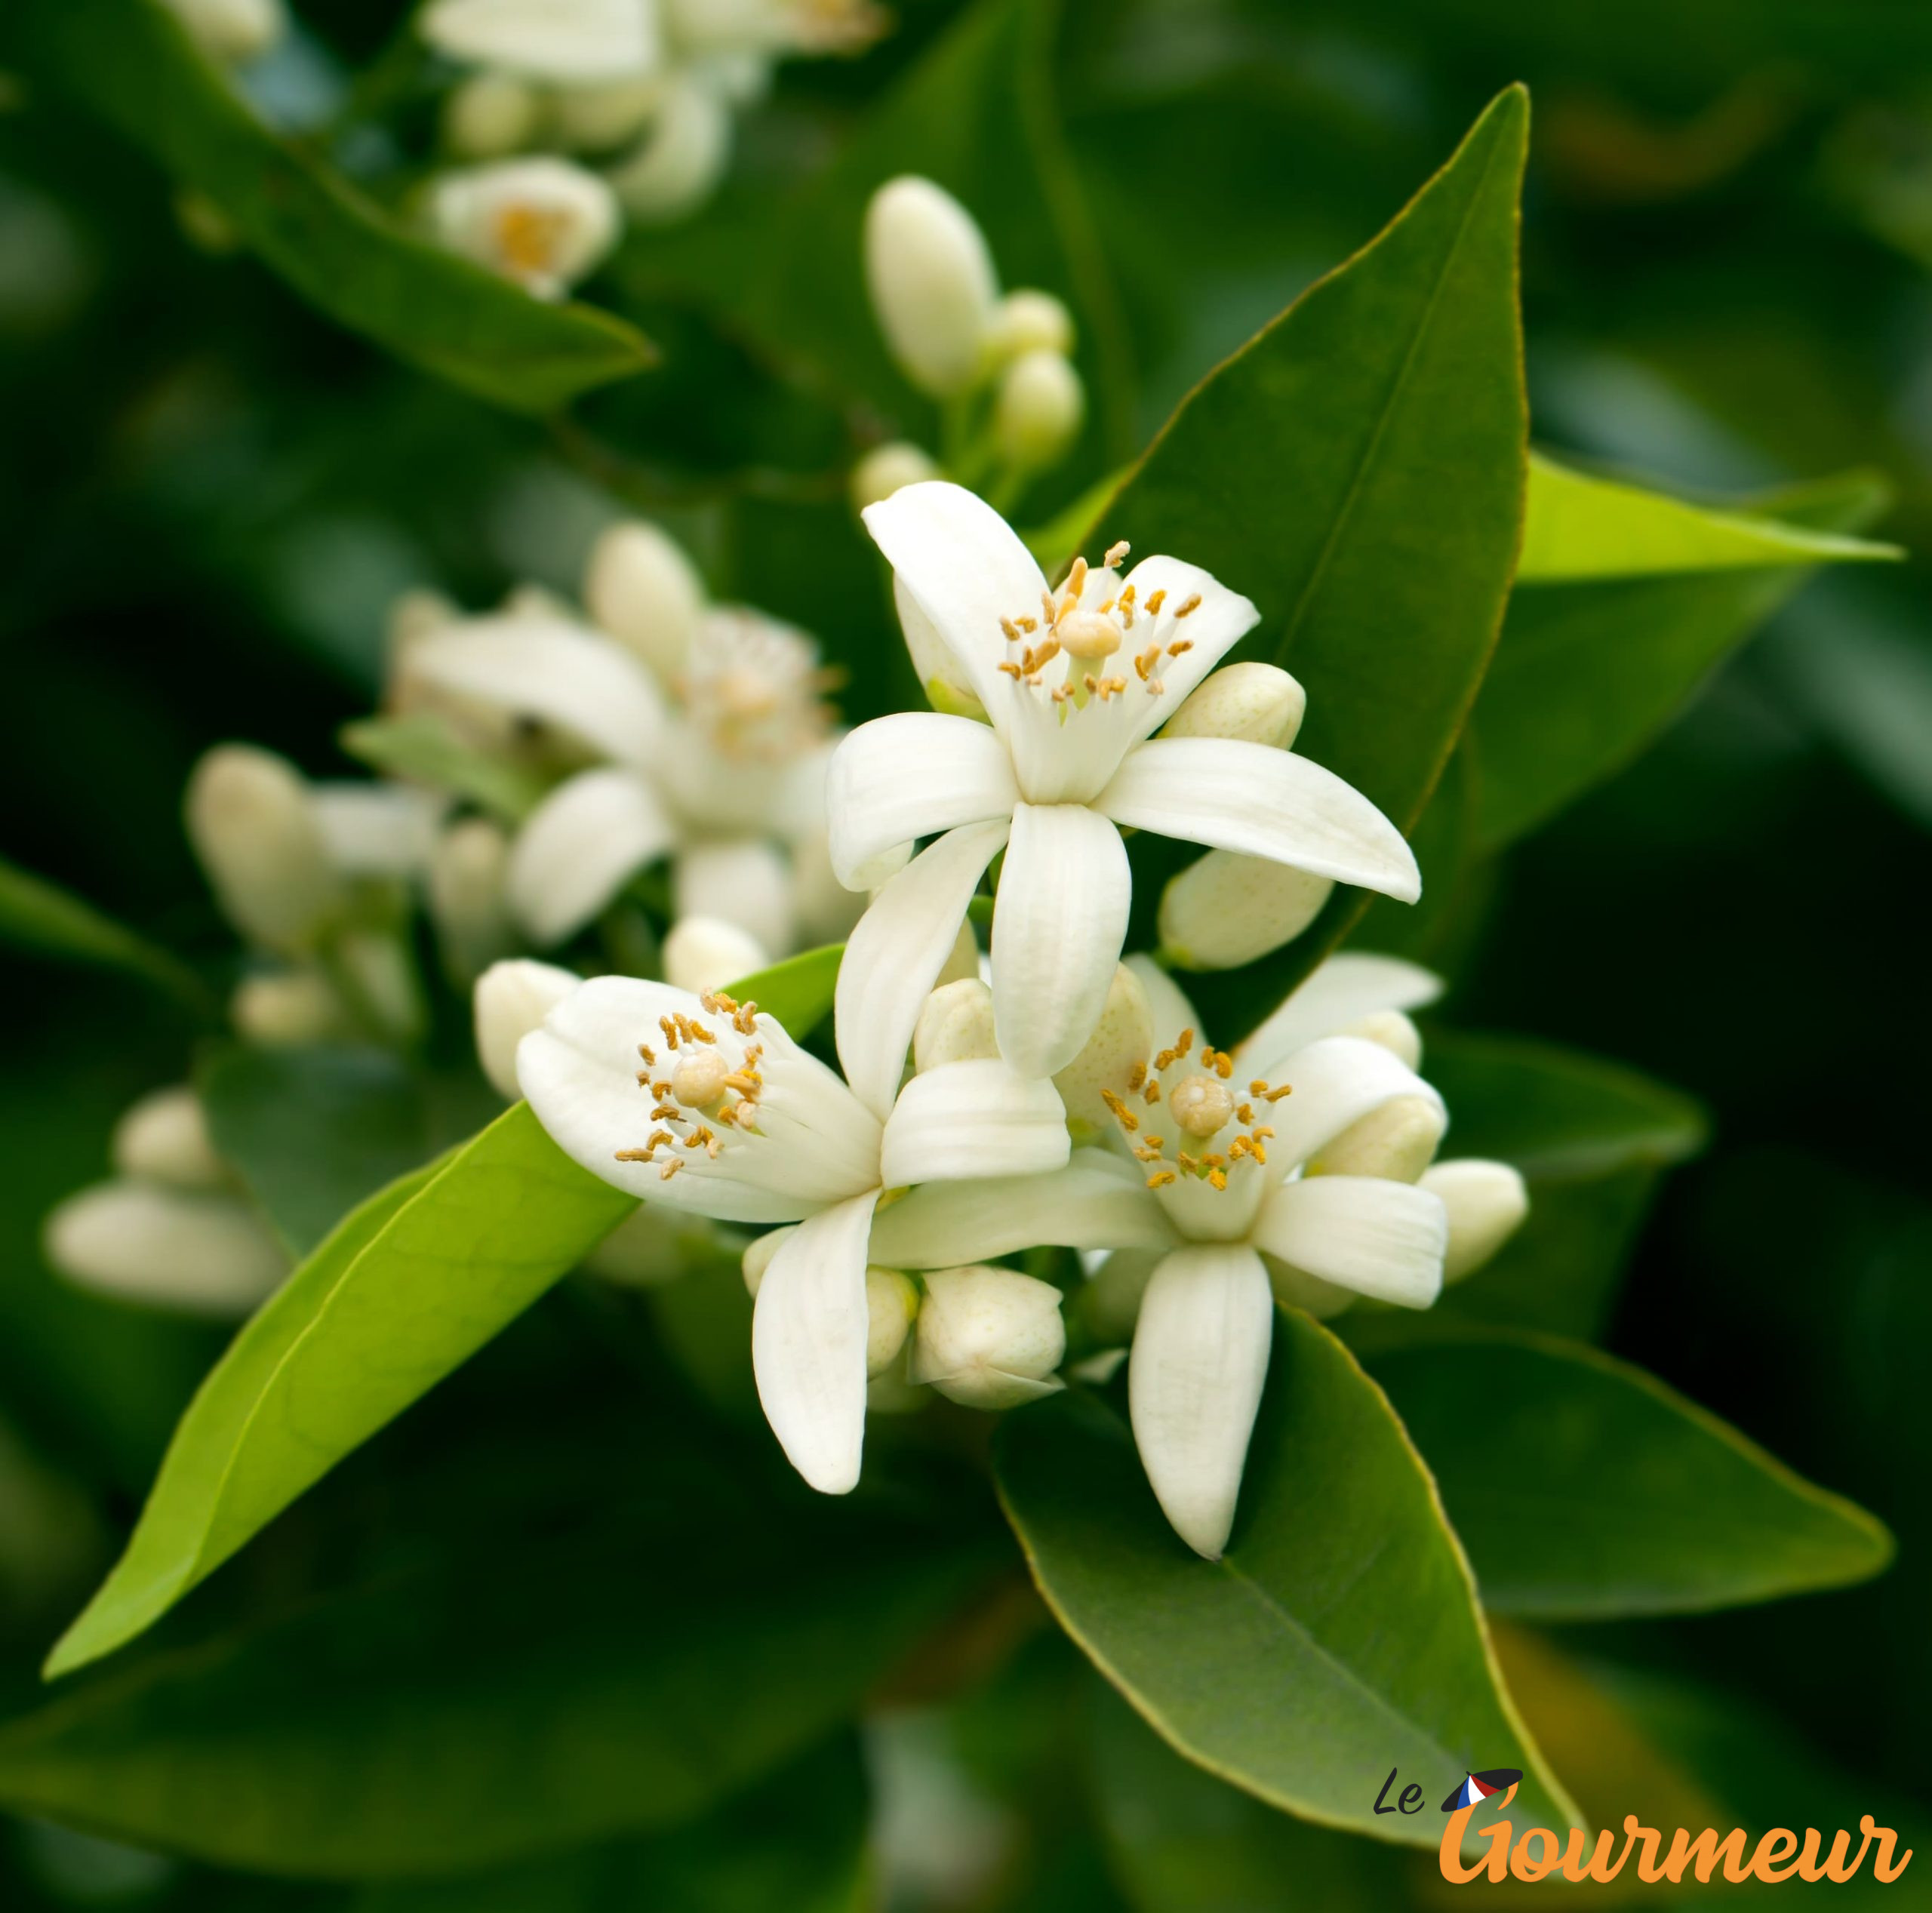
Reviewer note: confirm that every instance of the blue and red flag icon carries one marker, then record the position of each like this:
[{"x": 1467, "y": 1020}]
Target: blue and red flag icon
[{"x": 1480, "y": 1786}]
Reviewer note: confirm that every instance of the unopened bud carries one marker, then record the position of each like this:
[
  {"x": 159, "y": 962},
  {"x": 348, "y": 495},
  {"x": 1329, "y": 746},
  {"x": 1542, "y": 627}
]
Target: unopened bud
[
  {"x": 199, "y": 1251},
  {"x": 1255, "y": 703},
  {"x": 702, "y": 953},
  {"x": 988, "y": 1337},
  {"x": 490, "y": 115},
  {"x": 251, "y": 822},
  {"x": 541, "y": 222},
  {"x": 287, "y": 1009},
  {"x": 955, "y": 1026},
  {"x": 232, "y": 29},
  {"x": 511, "y": 999},
  {"x": 1039, "y": 413},
  {"x": 1027, "y": 322},
  {"x": 164, "y": 1138},
  {"x": 682, "y": 159},
  {"x": 467, "y": 872},
  {"x": 892, "y": 1299},
  {"x": 1123, "y": 1037},
  {"x": 932, "y": 283},
  {"x": 887, "y": 468},
  {"x": 947, "y": 686},
  {"x": 641, "y": 589},
  {"x": 1397, "y": 1141},
  {"x": 1227, "y": 909},
  {"x": 1394, "y": 1032},
  {"x": 1486, "y": 1202},
  {"x": 596, "y": 118}
]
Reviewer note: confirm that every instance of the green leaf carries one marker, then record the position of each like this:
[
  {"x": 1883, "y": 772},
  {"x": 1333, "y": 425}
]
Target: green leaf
[
  {"x": 1357, "y": 470},
  {"x": 425, "y": 749},
  {"x": 547, "y": 1688},
  {"x": 1584, "y": 1489},
  {"x": 797, "y": 1840},
  {"x": 406, "y": 1289},
  {"x": 1588, "y": 671},
  {"x": 39, "y": 916},
  {"x": 132, "y": 65},
  {"x": 1338, "y": 1636},
  {"x": 1576, "y": 526},
  {"x": 798, "y": 992}
]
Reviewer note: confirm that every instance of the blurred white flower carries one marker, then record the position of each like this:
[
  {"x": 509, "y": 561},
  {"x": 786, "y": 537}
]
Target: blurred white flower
[
  {"x": 567, "y": 41},
  {"x": 1037, "y": 413},
  {"x": 253, "y": 822},
  {"x": 932, "y": 281},
  {"x": 510, "y": 1000},
  {"x": 236, "y": 30},
  {"x": 541, "y": 221}
]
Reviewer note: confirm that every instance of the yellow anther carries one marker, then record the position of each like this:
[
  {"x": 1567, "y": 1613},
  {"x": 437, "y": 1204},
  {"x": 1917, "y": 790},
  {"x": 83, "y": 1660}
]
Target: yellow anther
[
  {"x": 1123, "y": 1114},
  {"x": 1154, "y": 600},
  {"x": 1161, "y": 1178},
  {"x": 1012, "y": 669},
  {"x": 1245, "y": 1114},
  {"x": 670, "y": 1030},
  {"x": 1049, "y": 609},
  {"x": 647, "y": 1053},
  {"x": 1116, "y": 553},
  {"x": 1011, "y": 630},
  {"x": 1179, "y": 646},
  {"x": 1193, "y": 604},
  {"x": 1218, "y": 1177},
  {"x": 744, "y": 1020},
  {"x": 1152, "y": 1094},
  {"x": 1028, "y": 624},
  {"x": 671, "y": 1168},
  {"x": 1136, "y": 1075}
]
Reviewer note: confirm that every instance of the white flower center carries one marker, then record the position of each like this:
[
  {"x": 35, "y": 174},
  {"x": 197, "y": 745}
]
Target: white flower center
[
  {"x": 1086, "y": 635},
  {"x": 1203, "y": 1104},
  {"x": 755, "y": 688},
  {"x": 702, "y": 1088},
  {"x": 529, "y": 237}
]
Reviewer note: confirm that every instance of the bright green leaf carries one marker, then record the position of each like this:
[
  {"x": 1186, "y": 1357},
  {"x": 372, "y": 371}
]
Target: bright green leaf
[
  {"x": 1588, "y": 671},
  {"x": 1357, "y": 470},
  {"x": 1584, "y": 1489},
  {"x": 131, "y": 63},
  {"x": 1338, "y": 1636},
  {"x": 315, "y": 1132},
  {"x": 798, "y": 992},
  {"x": 406, "y": 1289},
  {"x": 39, "y": 916},
  {"x": 1576, "y": 526},
  {"x": 425, "y": 748}
]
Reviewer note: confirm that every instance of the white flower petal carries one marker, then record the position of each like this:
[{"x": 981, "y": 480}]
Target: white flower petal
[
  {"x": 591, "y": 690},
  {"x": 1333, "y": 1083},
  {"x": 579, "y": 40},
  {"x": 201, "y": 1251},
  {"x": 1237, "y": 796},
  {"x": 1485, "y": 1202},
  {"x": 966, "y": 568},
  {"x": 814, "y": 1144},
  {"x": 1058, "y": 922},
  {"x": 1342, "y": 991},
  {"x": 1172, "y": 1012},
  {"x": 972, "y": 1120},
  {"x": 579, "y": 848},
  {"x": 1097, "y": 1201},
  {"x": 809, "y": 1332},
  {"x": 1363, "y": 1232},
  {"x": 746, "y": 880},
  {"x": 378, "y": 830},
  {"x": 895, "y": 954},
  {"x": 1210, "y": 630},
  {"x": 1193, "y": 1382},
  {"x": 908, "y": 777}
]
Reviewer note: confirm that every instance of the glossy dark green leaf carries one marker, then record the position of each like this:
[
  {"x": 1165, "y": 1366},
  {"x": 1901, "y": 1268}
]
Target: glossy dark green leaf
[
  {"x": 1584, "y": 1489},
  {"x": 1357, "y": 470},
  {"x": 1339, "y": 1635},
  {"x": 1588, "y": 671},
  {"x": 425, "y": 747},
  {"x": 131, "y": 64},
  {"x": 315, "y": 1132},
  {"x": 406, "y": 1288},
  {"x": 40, "y": 917}
]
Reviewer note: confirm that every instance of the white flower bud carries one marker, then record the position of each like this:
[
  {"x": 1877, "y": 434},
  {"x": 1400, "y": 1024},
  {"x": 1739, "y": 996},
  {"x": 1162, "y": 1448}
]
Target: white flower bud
[
  {"x": 490, "y": 115},
  {"x": 164, "y": 1138},
  {"x": 253, "y": 824},
  {"x": 566, "y": 42},
  {"x": 988, "y": 1337},
  {"x": 682, "y": 159},
  {"x": 541, "y": 222},
  {"x": 468, "y": 870},
  {"x": 1397, "y": 1142},
  {"x": 1394, "y": 1031},
  {"x": 955, "y": 1026},
  {"x": 640, "y": 588},
  {"x": 892, "y": 1300},
  {"x": 746, "y": 882},
  {"x": 702, "y": 953},
  {"x": 199, "y": 1251},
  {"x": 1226, "y": 909},
  {"x": 1027, "y": 322},
  {"x": 596, "y": 118},
  {"x": 1486, "y": 1202},
  {"x": 511, "y": 1000},
  {"x": 1039, "y": 413},
  {"x": 886, "y": 468},
  {"x": 1123, "y": 1037},
  {"x": 932, "y": 283},
  {"x": 947, "y": 686},
  {"x": 287, "y": 1009},
  {"x": 232, "y": 29},
  {"x": 1255, "y": 704}
]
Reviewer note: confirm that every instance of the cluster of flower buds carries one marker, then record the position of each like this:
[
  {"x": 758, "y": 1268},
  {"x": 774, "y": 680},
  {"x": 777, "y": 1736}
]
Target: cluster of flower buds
[
  {"x": 574, "y": 116},
  {"x": 1001, "y": 367}
]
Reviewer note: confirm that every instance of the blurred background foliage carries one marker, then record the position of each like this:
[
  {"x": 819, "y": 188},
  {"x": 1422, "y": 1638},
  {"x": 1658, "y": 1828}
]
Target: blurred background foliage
[{"x": 209, "y": 494}]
